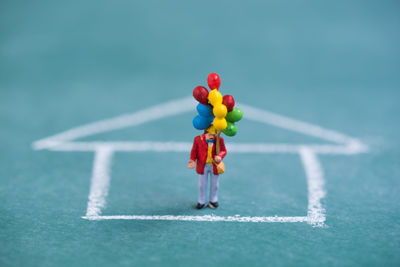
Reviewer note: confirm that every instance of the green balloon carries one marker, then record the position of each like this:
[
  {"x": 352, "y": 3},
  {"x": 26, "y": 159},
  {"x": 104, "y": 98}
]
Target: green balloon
[
  {"x": 235, "y": 115},
  {"x": 231, "y": 129}
]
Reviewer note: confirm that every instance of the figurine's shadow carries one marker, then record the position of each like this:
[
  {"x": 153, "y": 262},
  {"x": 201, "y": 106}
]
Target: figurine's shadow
[{"x": 186, "y": 208}]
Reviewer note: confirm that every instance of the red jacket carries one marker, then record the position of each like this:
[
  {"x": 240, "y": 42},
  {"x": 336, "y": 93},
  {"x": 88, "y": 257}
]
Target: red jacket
[{"x": 200, "y": 150}]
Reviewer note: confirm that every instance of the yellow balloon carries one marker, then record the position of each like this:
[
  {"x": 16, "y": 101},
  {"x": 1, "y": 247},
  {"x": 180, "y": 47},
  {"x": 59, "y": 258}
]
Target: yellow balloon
[
  {"x": 220, "y": 124},
  {"x": 215, "y": 97},
  {"x": 220, "y": 111}
]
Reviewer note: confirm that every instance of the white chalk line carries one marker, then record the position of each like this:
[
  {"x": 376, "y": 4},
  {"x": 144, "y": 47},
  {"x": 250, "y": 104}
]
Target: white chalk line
[
  {"x": 204, "y": 218},
  {"x": 315, "y": 184},
  {"x": 314, "y": 175},
  {"x": 104, "y": 150},
  {"x": 100, "y": 181},
  {"x": 280, "y": 121},
  {"x": 186, "y": 105},
  {"x": 153, "y": 113},
  {"x": 170, "y": 146}
]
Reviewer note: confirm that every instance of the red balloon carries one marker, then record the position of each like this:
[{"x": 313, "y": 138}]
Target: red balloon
[
  {"x": 200, "y": 93},
  {"x": 213, "y": 81},
  {"x": 229, "y": 102}
]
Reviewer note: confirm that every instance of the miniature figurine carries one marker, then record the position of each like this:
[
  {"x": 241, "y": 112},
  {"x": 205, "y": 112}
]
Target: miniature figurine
[
  {"x": 217, "y": 115},
  {"x": 204, "y": 151}
]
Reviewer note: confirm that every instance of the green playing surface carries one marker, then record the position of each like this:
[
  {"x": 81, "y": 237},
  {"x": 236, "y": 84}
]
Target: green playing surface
[{"x": 332, "y": 64}]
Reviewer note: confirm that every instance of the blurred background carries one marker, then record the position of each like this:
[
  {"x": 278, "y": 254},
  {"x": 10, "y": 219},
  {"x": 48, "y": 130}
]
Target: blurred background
[
  {"x": 335, "y": 59},
  {"x": 68, "y": 63}
]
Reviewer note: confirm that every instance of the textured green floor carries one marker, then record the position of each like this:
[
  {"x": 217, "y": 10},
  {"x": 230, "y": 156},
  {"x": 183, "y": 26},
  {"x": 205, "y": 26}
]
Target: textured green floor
[{"x": 65, "y": 64}]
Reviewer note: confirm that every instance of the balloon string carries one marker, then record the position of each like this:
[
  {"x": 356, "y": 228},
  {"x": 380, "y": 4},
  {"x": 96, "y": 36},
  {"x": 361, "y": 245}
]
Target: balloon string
[{"x": 217, "y": 148}]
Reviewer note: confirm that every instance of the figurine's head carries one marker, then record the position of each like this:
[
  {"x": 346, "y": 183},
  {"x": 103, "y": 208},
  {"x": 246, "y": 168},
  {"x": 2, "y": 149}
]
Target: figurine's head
[{"x": 210, "y": 132}]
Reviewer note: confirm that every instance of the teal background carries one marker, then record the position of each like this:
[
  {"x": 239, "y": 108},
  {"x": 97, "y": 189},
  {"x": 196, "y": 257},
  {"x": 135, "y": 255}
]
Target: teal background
[{"x": 68, "y": 63}]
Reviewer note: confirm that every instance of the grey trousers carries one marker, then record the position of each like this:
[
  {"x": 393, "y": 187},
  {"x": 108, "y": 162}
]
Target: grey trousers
[{"x": 203, "y": 181}]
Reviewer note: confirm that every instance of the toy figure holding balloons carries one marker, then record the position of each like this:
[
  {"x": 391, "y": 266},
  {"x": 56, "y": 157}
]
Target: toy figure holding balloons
[{"x": 216, "y": 114}]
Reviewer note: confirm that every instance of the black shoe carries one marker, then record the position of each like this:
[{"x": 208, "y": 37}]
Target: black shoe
[
  {"x": 213, "y": 205},
  {"x": 200, "y": 206}
]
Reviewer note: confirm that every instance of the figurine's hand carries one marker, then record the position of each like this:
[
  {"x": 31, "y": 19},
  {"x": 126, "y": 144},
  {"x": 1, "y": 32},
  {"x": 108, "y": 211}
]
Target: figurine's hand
[
  {"x": 191, "y": 164},
  {"x": 217, "y": 159}
]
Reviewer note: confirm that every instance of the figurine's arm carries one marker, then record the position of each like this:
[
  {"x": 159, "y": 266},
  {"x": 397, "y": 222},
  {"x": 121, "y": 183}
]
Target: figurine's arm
[
  {"x": 222, "y": 151},
  {"x": 193, "y": 155}
]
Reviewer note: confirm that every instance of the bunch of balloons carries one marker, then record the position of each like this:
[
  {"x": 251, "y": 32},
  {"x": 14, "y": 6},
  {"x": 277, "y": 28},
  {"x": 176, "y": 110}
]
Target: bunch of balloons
[{"x": 215, "y": 109}]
